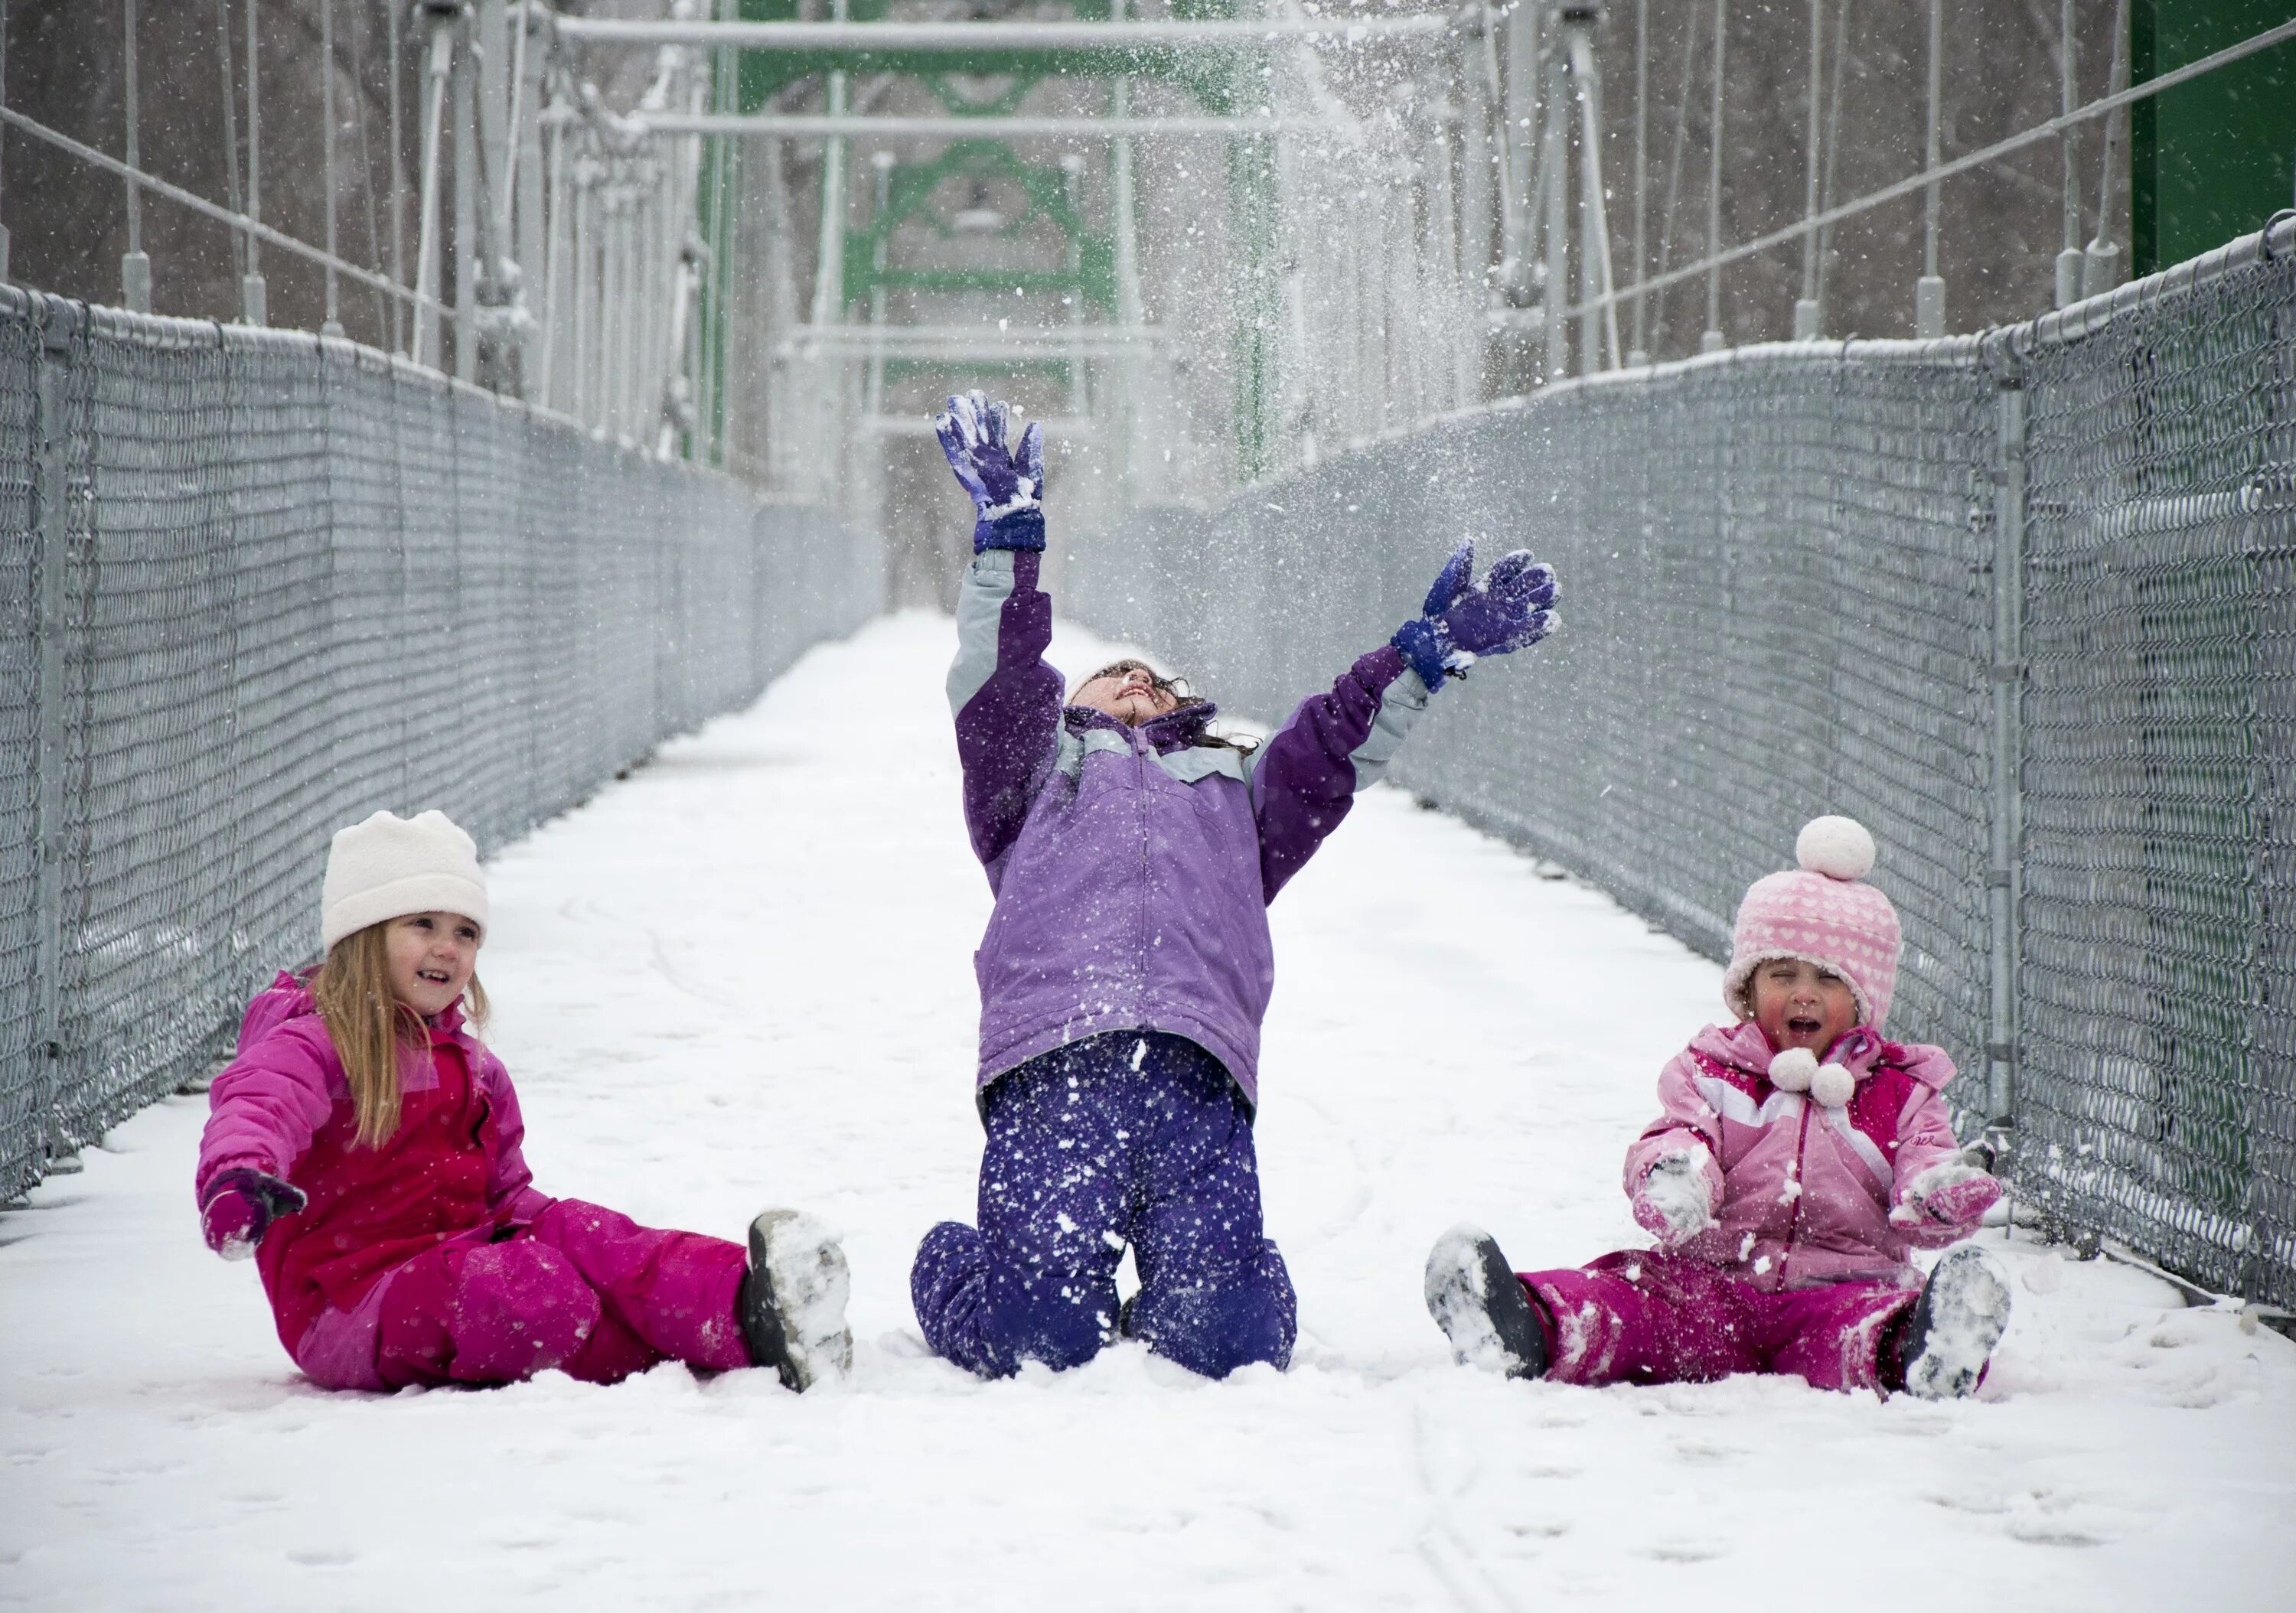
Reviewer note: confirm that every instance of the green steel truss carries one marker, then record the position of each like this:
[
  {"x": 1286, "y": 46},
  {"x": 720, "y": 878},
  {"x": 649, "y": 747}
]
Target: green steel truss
[{"x": 1223, "y": 83}]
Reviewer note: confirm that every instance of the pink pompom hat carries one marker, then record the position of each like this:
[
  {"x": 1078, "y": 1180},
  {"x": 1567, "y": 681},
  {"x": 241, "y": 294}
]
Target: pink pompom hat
[{"x": 1823, "y": 911}]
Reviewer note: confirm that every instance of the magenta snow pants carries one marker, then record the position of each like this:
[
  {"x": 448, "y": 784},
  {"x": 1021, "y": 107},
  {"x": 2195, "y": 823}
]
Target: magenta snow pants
[
  {"x": 1642, "y": 1316},
  {"x": 582, "y": 1289}
]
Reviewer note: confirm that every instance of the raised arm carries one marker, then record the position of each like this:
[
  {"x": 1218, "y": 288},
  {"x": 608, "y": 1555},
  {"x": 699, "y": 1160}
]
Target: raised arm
[
  {"x": 1305, "y": 778},
  {"x": 1005, "y": 698}
]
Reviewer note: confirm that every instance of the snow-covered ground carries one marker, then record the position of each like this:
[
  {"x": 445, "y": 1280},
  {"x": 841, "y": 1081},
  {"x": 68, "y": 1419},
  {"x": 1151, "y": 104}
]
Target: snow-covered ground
[{"x": 742, "y": 979}]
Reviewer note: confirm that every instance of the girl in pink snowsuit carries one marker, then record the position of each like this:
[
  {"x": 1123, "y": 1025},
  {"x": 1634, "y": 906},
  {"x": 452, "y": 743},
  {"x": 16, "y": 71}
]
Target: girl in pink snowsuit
[
  {"x": 364, "y": 1147},
  {"x": 1800, "y": 1159}
]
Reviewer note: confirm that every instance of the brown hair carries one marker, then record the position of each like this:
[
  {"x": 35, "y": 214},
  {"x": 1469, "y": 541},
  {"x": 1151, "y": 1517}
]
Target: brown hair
[
  {"x": 1177, "y": 687},
  {"x": 371, "y": 1029}
]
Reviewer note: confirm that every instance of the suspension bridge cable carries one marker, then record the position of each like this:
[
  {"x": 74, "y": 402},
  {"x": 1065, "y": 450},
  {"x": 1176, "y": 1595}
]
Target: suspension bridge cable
[
  {"x": 2101, "y": 107},
  {"x": 238, "y": 222}
]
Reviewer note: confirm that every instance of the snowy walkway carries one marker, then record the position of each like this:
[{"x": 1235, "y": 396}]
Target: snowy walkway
[{"x": 742, "y": 978}]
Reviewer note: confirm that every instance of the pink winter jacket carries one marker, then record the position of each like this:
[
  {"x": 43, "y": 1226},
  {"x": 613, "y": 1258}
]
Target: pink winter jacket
[
  {"x": 454, "y": 1168},
  {"x": 1800, "y": 1193}
]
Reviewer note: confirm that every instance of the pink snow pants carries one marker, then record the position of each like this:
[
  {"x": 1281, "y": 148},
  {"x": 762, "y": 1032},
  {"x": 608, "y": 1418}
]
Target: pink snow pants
[
  {"x": 582, "y": 1290},
  {"x": 1641, "y": 1316}
]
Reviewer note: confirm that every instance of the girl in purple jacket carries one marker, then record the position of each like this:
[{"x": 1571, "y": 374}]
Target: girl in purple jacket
[
  {"x": 1127, "y": 964},
  {"x": 1801, "y": 1158},
  {"x": 364, "y": 1147}
]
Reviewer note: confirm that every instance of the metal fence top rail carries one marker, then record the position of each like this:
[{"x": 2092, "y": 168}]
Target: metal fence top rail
[
  {"x": 63, "y": 320},
  {"x": 2001, "y": 349},
  {"x": 1158, "y": 34},
  {"x": 2276, "y": 240}
]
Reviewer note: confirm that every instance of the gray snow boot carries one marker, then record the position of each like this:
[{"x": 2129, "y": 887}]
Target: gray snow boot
[
  {"x": 792, "y": 1299},
  {"x": 1481, "y": 1306},
  {"x": 1948, "y": 1336}
]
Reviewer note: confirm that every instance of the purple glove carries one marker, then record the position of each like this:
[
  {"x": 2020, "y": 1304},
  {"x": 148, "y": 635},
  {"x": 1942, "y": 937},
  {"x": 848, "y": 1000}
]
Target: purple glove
[
  {"x": 1462, "y": 622},
  {"x": 240, "y": 1205},
  {"x": 1006, "y": 489}
]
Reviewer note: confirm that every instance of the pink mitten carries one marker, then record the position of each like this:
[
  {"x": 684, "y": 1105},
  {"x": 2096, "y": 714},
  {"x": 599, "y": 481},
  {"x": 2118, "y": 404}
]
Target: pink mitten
[
  {"x": 1675, "y": 1203},
  {"x": 240, "y": 1205},
  {"x": 1963, "y": 1202},
  {"x": 1951, "y": 1195}
]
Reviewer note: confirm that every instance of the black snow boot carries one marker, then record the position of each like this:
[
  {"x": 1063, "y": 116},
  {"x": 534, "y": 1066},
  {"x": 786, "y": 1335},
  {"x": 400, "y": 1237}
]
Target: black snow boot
[
  {"x": 1944, "y": 1342},
  {"x": 1481, "y": 1306},
  {"x": 792, "y": 1299}
]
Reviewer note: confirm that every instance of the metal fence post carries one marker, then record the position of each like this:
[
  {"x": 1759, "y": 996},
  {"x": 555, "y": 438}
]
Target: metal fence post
[
  {"x": 254, "y": 297},
  {"x": 52, "y": 524},
  {"x": 2003, "y": 872},
  {"x": 1929, "y": 290},
  {"x": 135, "y": 265},
  {"x": 3, "y": 101},
  {"x": 1711, "y": 340}
]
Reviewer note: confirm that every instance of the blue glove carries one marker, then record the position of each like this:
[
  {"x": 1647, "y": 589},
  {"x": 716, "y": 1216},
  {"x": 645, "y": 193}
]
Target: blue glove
[
  {"x": 1463, "y": 622},
  {"x": 1006, "y": 488}
]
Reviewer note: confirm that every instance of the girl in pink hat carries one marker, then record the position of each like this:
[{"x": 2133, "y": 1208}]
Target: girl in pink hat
[{"x": 1801, "y": 1158}]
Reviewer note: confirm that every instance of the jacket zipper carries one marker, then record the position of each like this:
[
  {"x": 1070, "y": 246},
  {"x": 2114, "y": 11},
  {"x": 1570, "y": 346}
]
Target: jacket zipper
[
  {"x": 1140, "y": 792},
  {"x": 1793, "y": 1222}
]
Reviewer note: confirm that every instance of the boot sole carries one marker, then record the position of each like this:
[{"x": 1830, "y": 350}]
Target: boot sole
[
  {"x": 1967, "y": 1302},
  {"x": 806, "y": 1285},
  {"x": 1478, "y": 1301}
]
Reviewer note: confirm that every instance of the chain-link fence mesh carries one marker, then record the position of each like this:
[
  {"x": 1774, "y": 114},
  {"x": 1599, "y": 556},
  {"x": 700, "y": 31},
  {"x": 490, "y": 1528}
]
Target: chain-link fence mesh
[
  {"x": 2159, "y": 1084},
  {"x": 254, "y": 586},
  {"x": 1792, "y": 586}
]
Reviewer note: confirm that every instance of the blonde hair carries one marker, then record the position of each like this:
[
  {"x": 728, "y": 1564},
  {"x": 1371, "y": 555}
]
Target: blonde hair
[{"x": 372, "y": 1029}]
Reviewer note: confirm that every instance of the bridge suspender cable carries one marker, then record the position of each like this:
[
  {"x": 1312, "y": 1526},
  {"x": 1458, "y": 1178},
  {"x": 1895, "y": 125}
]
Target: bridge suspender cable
[{"x": 2053, "y": 129}]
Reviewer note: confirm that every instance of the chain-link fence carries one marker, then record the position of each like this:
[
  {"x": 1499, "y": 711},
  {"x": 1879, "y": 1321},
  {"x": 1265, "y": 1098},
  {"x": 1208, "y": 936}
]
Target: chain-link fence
[
  {"x": 2025, "y": 605},
  {"x": 255, "y": 586}
]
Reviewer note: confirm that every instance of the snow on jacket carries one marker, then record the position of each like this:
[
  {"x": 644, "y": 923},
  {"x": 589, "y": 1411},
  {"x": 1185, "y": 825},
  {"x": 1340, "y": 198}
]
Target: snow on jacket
[
  {"x": 1133, "y": 867},
  {"x": 1801, "y": 1193},
  {"x": 284, "y": 1108}
]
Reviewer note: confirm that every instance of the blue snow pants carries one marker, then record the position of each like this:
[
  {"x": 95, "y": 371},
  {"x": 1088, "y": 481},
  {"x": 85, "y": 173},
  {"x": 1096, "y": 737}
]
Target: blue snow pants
[{"x": 1128, "y": 1137}]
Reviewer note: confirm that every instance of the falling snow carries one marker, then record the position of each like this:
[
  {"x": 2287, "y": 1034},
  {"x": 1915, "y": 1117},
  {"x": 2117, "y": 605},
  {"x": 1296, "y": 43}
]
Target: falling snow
[{"x": 742, "y": 978}]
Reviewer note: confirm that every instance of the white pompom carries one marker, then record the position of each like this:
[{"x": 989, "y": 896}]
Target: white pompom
[
  {"x": 1793, "y": 1070},
  {"x": 1833, "y": 1085},
  {"x": 1835, "y": 846}
]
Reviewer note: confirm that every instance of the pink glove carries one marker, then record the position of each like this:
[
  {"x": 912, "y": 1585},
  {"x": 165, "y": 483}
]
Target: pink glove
[
  {"x": 1951, "y": 1195},
  {"x": 240, "y": 1205},
  {"x": 1675, "y": 1203}
]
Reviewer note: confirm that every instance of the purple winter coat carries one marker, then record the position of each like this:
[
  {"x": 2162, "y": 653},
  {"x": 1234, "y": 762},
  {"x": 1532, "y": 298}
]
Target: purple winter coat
[{"x": 1132, "y": 866}]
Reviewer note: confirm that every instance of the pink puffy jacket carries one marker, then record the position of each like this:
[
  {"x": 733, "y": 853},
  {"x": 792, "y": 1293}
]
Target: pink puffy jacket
[
  {"x": 1802, "y": 1193},
  {"x": 454, "y": 1168}
]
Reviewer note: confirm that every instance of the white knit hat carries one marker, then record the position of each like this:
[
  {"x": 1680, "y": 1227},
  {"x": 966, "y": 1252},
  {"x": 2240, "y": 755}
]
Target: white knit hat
[{"x": 389, "y": 866}]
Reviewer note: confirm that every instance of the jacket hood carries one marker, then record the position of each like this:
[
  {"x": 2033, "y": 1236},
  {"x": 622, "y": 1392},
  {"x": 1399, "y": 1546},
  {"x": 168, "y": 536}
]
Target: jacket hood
[
  {"x": 1742, "y": 1046},
  {"x": 1173, "y": 731},
  {"x": 289, "y": 997}
]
